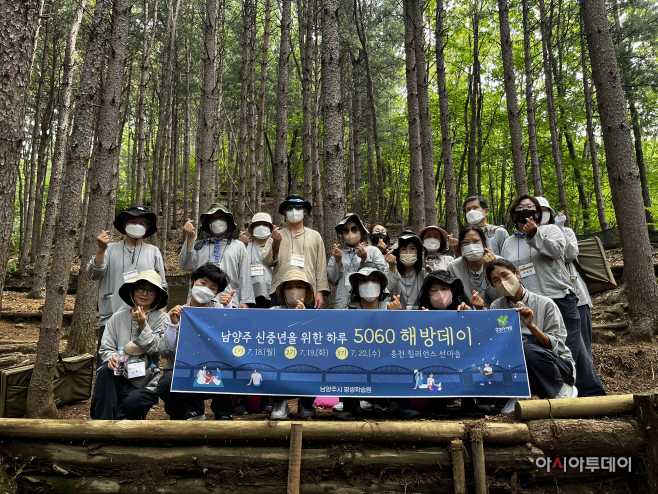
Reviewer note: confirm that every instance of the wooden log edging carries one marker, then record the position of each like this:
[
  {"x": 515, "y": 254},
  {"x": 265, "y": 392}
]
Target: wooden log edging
[{"x": 575, "y": 407}]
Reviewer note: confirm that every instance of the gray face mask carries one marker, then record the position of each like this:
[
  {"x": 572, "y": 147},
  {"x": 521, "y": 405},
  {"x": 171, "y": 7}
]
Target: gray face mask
[{"x": 135, "y": 231}]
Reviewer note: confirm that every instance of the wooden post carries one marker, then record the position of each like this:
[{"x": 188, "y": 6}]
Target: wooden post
[
  {"x": 295, "y": 458},
  {"x": 477, "y": 449},
  {"x": 458, "y": 474},
  {"x": 646, "y": 405}
]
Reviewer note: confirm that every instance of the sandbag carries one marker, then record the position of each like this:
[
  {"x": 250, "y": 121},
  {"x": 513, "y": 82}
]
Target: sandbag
[
  {"x": 72, "y": 382},
  {"x": 593, "y": 267}
]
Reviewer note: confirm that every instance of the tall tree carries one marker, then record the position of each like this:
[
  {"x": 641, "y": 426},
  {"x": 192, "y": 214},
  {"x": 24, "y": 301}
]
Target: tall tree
[
  {"x": 244, "y": 108},
  {"x": 186, "y": 137},
  {"x": 260, "y": 125},
  {"x": 82, "y": 338},
  {"x": 530, "y": 104},
  {"x": 642, "y": 291},
  {"x": 355, "y": 127},
  {"x": 516, "y": 138},
  {"x": 40, "y": 394},
  {"x": 306, "y": 14}
]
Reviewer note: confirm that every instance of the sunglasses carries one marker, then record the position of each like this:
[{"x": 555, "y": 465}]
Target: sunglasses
[
  {"x": 354, "y": 229},
  {"x": 290, "y": 207}
]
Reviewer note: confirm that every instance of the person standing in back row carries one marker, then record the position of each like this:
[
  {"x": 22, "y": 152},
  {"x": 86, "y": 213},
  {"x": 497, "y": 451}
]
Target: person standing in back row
[
  {"x": 119, "y": 262},
  {"x": 260, "y": 230},
  {"x": 296, "y": 248},
  {"x": 476, "y": 209}
]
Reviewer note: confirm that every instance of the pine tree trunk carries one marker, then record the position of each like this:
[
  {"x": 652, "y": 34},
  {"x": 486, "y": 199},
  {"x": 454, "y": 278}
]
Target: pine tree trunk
[
  {"x": 334, "y": 173},
  {"x": 20, "y": 19},
  {"x": 147, "y": 47},
  {"x": 175, "y": 173},
  {"x": 417, "y": 196},
  {"x": 40, "y": 394},
  {"x": 355, "y": 125},
  {"x": 452, "y": 218},
  {"x": 280, "y": 164},
  {"x": 252, "y": 111},
  {"x": 207, "y": 108},
  {"x": 260, "y": 126},
  {"x": 306, "y": 22},
  {"x": 318, "y": 212},
  {"x": 82, "y": 338},
  {"x": 472, "y": 178},
  {"x": 530, "y": 105},
  {"x": 516, "y": 138},
  {"x": 186, "y": 137},
  {"x": 371, "y": 171},
  {"x": 641, "y": 165},
  {"x": 641, "y": 288},
  {"x": 244, "y": 108},
  {"x": 596, "y": 176}
]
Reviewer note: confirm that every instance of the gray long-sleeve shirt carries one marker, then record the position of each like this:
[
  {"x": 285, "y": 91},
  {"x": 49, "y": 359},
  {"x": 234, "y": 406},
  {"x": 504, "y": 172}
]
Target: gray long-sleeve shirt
[
  {"x": 260, "y": 284},
  {"x": 545, "y": 254},
  {"x": 496, "y": 236},
  {"x": 547, "y": 317},
  {"x": 350, "y": 264},
  {"x": 121, "y": 329},
  {"x": 119, "y": 260},
  {"x": 233, "y": 261},
  {"x": 473, "y": 281},
  {"x": 407, "y": 286},
  {"x": 579, "y": 285}
]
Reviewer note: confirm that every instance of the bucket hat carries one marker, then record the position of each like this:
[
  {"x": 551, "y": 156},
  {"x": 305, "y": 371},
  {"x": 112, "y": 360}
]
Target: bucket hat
[
  {"x": 294, "y": 199},
  {"x": 161, "y": 295},
  {"x": 203, "y": 219},
  {"x": 366, "y": 269},
  {"x": 260, "y": 218},
  {"x": 351, "y": 217},
  {"x": 135, "y": 211},
  {"x": 293, "y": 275}
]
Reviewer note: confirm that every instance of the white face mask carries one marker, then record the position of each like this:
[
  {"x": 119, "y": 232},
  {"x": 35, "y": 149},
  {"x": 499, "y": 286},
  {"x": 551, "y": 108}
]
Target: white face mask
[
  {"x": 474, "y": 216},
  {"x": 408, "y": 259},
  {"x": 218, "y": 227},
  {"x": 508, "y": 288},
  {"x": 545, "y": 217},
  {"x": 295, "y": 215},
  {"x": 294, "y": 294},
  {"x": 473, "y": 252},
  {"x": 261, "y": 232},
  {"x": 369, "y": 291},
  {"x": 432, "y": 244},
  {"x": 202, "y": 294},
  {"x": 135, "y": 231}
]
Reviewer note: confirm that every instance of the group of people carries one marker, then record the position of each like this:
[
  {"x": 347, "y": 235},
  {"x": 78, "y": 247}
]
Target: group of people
[{"x": 482, "y": 268}]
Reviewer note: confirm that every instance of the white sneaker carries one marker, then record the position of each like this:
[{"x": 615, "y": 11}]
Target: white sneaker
[
  {"x": 567, "y": 392},
  {"x": 196, "y": 417},
  {"x": 281, "y": 411},
  {"x": 365, "y": 405},
  {"x": 338, "y": 407},
  {"x": 509, "y": 406}
]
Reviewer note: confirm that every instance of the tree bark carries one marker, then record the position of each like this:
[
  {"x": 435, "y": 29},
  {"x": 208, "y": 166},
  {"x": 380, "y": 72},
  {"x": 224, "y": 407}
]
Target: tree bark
[
  {"x": 641, "y": 165},
  {"x": 40, "y": 394},
  {"x": 260, "y": 125},
  {"x": 472, "y": 178},
  {"x": 320, "y": 225},
  {"x": 334, "y": 173},
  {"x": 371, "y": 171},
  {"x": 244, "y": 108},
  {"x": 82, "y": 337},
  {"x": 623, "y": 175},
  {"x": 186, "y": 137},
  {"x": 452, "y": 218},
  {"x": 306, "y": 13},
  {"x": 207, "y": 107},
  {"x": 516, "y": 138},
  {"x": 252, "y": 109},
  {"x": 417, "y": 195},
  {"x": 530, "y": 105},
  {"x": 355, "y": 126},
  {"x": 280, "y": 164}
]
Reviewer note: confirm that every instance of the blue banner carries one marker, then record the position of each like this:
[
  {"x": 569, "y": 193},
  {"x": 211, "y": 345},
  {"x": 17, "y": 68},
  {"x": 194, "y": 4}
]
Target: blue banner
[{"x": 351, "y": 353}]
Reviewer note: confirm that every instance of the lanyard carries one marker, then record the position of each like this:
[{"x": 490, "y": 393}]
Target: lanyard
[
  {"x": 148, "y": 316},
  {"x": 123, "y": 256},
  {"x": 292, "y": 245},
  {"x": 251, "y": 255},
  {"x": 352, "y": 257},
  {"x": 518, "y": 249},
  {"x": 407, "y": 287},
  {"x": 211, "y": 251}
]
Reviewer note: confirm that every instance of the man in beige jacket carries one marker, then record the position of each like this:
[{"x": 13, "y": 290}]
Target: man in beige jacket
[{"x": 296, "y": 248}]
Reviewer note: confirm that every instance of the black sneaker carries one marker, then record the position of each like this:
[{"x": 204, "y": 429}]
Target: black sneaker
[
  {"x": 223, "y": 416},
  {"x": 405, "y": 413},
  {"x": 349, "y": 415},
  {"x": 266, "y": 405},
  {"x": 305, "y": 412},
  {"x": 240, "y": 409}
]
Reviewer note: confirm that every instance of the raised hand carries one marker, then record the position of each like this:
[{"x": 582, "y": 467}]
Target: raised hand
[
  {"x": 276, "y": 236},
  {"x": 190, "y": 232},
  {"x": 361, "y": 252},
  {"x": 103, "y": 240},
  {"x": 530, "y": 228},
  {"x": 526, "y": 315},
  {"x": 463, "y": 306},
  {"x": 394, "y": 304},
  {"x": 243, "y": 238},
  {"x": 139, "y": 317},
  {"x": 381, "y": 246},
  {"x": 476, "y": 300},
  {"x": 488, "y": 257},
  {"x": 337, "y": 253},
  {"x": 226, "y": 298},
  {"x": 300, "y": 304},
  {"x": 452, "y": 242},
  {"x": 175, "y": 313}
]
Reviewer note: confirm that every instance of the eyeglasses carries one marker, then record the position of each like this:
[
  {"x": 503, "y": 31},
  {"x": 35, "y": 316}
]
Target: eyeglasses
[
  {"x": 469, "y": 242},
  {"x": 290, "y": 207},
  {"x": 527, "y": 207},
  {"x": 142, "y": 290},
  {"x": 354, "y": 229}
]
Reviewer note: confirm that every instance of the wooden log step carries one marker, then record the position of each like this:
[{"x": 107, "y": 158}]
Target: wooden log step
[
  {"x": 574, "y": 407},
  {"x": 8, "y": 314},
  {"x": 18, "y": 347},
  {"x": 616, "y": 326},
  {"x": 11, "y": 359}
]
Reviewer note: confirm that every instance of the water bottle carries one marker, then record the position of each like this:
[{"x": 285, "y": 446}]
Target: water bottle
[
  {"x": 121, "y": 359},
  {"x": 151, "y": 371}
]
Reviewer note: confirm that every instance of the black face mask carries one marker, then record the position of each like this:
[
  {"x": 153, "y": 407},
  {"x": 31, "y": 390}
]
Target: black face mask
[
  {"x": 522, "y": 216},
  {"x": 377, "y": 236}
]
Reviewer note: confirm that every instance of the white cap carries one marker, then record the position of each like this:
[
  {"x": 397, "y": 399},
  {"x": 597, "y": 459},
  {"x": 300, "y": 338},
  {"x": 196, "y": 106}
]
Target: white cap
[{"x": 543, "y": 202}]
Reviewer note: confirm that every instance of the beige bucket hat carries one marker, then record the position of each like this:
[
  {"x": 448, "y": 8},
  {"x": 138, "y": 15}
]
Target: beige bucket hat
[
  {"x": 294, "y": 275},
  {"x": 161, "y": 295},
  {"x": 260, "y": 218}
]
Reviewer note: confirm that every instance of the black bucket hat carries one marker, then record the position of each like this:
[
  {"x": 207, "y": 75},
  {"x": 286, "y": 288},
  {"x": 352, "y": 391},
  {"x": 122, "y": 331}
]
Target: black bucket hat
[
  {"x": 455, "y": 284},
  {"x": 409, "y": 235},
  {"x": 294, "y": 199},
  {"x": 203, "y": 219},
  {"x": 161, "y": 296},
  {"x": 356, "y": 219},
  {"x": 366, "y": 269},
  {"x": 135, "y": 211}
]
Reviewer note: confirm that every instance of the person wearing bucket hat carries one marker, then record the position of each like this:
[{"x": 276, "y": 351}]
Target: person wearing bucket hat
[
  {"x": 118, "y": 262},
  {"x": 405, "y": 268},
  {"x": 345, "y": 259},
  {"x": 260, "y": 230},
  {"x": 298, "y": 248},
  {"x": 220, "y": 246},
  {"x": 538, "y": 252},
  {"x": 126, "y": 389},
  {"x": 296, "y": 292},
  {"x": 473, "y": 258},
  {"x": 476, "y": 210},
  {"x": 435, "y": 242}
]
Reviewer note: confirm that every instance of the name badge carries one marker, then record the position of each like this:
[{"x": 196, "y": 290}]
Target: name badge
[
  {"x": 256, "y": 270},
  {"x": 527, "y": 270},
  {"x": 297, "y": 260},
  {"x": 136, "y": 369},
  {"x": 129, "y": 276}
]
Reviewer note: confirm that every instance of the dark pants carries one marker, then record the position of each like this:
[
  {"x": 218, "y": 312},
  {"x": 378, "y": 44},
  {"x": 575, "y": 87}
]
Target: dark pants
[
  {"x": 587, "y": 380},
  {"x": 99, "y": 360},
  {"x": 586, "y": 327},
  {"x": 222, "y": 405},
  {"x": 115, "y": 398},
  {"x": 546, "y": 372},
  {"x": 262, "y": 303},
  {"x": 178, "y": 404}
]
